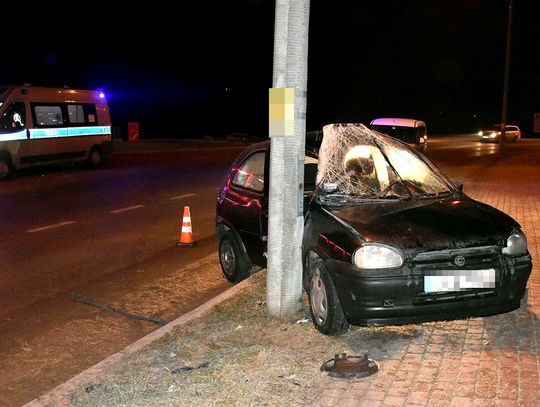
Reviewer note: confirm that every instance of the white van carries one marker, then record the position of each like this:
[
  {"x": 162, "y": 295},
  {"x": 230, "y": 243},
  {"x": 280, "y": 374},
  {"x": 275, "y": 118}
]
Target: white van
[
  {"x": 51, "y": 125},
  {"x": 411, "y": 131}
]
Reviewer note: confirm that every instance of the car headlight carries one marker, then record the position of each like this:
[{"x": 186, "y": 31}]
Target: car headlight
[
  {"x": 377, "y": 256},
  {"x": 516, "y": 244},
  {"x": 480, "y": 133},
  {"x": 493, "y": 135}
]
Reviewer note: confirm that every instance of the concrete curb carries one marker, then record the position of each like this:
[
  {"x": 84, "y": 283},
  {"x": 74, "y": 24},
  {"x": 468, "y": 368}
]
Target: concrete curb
[{"x": 58, "y": 394}]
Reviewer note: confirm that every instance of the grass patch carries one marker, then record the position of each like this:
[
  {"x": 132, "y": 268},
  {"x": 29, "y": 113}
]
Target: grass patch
[{"x": 234, "y": 356}]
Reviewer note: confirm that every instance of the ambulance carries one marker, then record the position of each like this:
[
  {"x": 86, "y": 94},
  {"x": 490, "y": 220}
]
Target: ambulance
[{"x": 40, "y": 126}]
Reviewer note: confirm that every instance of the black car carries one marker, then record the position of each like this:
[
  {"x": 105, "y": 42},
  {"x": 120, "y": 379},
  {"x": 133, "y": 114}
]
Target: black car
[{"x": 388, "y": 238}]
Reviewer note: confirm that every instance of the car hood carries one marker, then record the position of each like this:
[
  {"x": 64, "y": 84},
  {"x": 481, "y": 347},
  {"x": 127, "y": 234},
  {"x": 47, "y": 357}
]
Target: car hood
[{"x": 429, "y": 224}]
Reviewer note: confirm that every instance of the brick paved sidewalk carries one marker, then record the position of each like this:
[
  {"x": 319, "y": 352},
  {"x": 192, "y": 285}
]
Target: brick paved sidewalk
[{"x": 491, "y": 361}]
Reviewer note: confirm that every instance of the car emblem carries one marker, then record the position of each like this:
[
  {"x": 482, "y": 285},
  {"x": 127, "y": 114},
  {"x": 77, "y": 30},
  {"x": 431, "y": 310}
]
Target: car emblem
[{"x": 459, "y": 261}]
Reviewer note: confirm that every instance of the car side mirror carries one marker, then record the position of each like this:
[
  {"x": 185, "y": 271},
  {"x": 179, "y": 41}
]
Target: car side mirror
[{"x": 458, "y": 184}]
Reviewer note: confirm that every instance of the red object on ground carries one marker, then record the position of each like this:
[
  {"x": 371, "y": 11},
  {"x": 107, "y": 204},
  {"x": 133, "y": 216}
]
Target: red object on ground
[{"x": 133, "y": 132}]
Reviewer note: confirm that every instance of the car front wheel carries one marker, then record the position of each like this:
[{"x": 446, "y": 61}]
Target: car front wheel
[
  {"x": 6, "y": 167},
  {"x": 234, "y": 263},
  {"x": 95, "y": 158},
  {"x": 326, "y": 311}
]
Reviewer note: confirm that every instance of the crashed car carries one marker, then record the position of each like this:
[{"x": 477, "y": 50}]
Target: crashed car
[{"x": 388, "y": 238}]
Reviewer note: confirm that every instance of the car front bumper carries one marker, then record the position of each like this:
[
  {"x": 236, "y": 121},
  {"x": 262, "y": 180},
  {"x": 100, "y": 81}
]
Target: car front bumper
[
  {"x": 376, "y": 299},
  {"x": 489, "y": 139}
]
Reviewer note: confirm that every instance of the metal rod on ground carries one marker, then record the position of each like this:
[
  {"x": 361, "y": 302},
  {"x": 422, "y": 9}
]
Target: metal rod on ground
[{"x": 84, "y": 300}]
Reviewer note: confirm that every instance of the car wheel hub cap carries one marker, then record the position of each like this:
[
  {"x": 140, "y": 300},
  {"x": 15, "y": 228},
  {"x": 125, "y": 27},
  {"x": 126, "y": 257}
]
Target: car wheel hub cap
[
  {"x": 319, "y": 303},
  {"x": 228, "y": 259}
]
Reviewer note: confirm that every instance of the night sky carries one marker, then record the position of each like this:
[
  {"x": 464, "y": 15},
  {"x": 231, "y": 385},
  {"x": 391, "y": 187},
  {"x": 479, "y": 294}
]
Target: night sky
[{"x": 206, "y": 70}]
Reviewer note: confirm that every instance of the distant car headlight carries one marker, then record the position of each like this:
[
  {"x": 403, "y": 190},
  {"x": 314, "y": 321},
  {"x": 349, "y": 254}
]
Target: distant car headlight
[
  {"x": 493, "y": 135},
  {"x": 480, "y": 133},
  {"x": 516, "y": 244},
  {"x": 377, "y": 256}
]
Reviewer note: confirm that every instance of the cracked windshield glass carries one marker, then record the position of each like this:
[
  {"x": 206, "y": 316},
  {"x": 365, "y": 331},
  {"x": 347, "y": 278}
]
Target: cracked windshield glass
[{"x": 357, "y": 164}]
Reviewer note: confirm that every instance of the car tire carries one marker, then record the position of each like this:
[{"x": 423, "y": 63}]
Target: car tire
[
  {"x": 515, "y": 139},
  {"x": 326, "y": 311},
  {"x": 95, "y": 157},
  {"x": 235, "y": 264},
  {"x": 6, "y": 167}
]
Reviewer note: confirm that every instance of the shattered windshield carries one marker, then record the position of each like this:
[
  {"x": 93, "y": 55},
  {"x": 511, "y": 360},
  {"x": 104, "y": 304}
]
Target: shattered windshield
[{"x": 357, "y": 164}]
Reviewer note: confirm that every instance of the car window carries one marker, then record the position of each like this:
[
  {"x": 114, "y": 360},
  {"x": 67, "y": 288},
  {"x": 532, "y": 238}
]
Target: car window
[
  {"x": 250, "y": 174},
  {"x": 311, "y": 167},
  {"x": 48, "y": 115},
  {"x": 13, "y": 117},
  {"x": 399, "y": 132}
]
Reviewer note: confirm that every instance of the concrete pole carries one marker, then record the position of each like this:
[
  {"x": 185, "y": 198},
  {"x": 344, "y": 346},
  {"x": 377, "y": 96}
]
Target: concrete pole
[{"x": 285, "y": 207}]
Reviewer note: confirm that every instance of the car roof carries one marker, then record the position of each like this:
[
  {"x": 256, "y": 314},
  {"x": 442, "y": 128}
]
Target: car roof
[
  {"x": 398, "y": 121},
  {"x": 498, "y": 125},
  {"x": 311, "y": 150},
  {"x": 313, "y": 141}
]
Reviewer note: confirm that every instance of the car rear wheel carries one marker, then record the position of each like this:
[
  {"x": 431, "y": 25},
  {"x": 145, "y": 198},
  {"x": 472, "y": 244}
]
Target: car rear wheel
[
  {"x": 234, "y": 263},
  {"x": 326, "y": 311}
]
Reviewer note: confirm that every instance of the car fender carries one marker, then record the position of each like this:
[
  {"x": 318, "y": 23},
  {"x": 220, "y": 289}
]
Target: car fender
[
  {"x": 331, "y": 239},
  {"x": 222, "y": 226}
]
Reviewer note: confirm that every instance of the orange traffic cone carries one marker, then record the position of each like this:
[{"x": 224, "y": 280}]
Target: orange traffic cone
[{"x": 186, "y": 237}]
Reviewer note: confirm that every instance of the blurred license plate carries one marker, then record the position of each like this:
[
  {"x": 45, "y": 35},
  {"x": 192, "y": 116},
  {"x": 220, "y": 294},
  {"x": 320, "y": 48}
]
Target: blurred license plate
[{"x": 458, "y": 280}]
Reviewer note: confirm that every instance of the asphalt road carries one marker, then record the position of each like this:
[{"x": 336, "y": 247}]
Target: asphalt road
[
  {"x": 110, "y": 236},
  {"x": 64, "y": 227}
]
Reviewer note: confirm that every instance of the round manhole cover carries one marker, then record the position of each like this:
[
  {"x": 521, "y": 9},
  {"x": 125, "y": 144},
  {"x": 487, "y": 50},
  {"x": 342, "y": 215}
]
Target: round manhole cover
[{"x": 348, "y": 367}]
